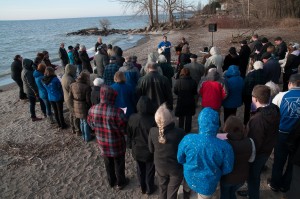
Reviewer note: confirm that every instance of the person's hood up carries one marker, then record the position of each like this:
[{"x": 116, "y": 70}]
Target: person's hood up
[
  {"x": 70, "y": 70},
  {"x": 107, "y": 95},
  {"x": 27, "y": 64},
  {"x": 47, "y": 79},
  {"x": 232, "y": 71},
  {"x": 145, "y": 106},
  {"x": 213, "y": 75},
  {"x": 214, "y": 51},
  {"x": 296, "y": 52},
  {"x": 84, "y": 78},
  {"x": 37, "y": 74},
  {"x": 208, "y": 121}
]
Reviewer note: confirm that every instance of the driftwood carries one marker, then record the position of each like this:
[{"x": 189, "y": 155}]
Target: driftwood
[{"x": 243, "y": 36}]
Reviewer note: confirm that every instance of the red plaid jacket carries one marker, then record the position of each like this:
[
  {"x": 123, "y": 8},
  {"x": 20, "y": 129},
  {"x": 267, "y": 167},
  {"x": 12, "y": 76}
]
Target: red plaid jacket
[{"x": 109, "y": 123}]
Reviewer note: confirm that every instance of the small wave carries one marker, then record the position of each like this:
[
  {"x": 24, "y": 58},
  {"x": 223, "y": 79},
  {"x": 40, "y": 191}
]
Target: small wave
[{"x": 4, "y": 73}]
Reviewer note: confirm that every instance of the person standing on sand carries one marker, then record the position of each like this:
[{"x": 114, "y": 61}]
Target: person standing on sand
[
  {"x": 109, "y": 71},
  {"x": 85, "y": 59},
  {"x": 67, "y": 79},
  {"x": 262, "y": 128},
  {"x": 77, "y": 60},
  {"x": 63, "y": 55},
  {"x": 205, "y": 158},
  {"x": 215, "y": 59},
  {"x": 139, "y": 125},
  {"x": 163, "y": 142},
  {"x": 30, "y": 88},
  {"x": 196, "y": 69},
  {"x": 55, "y": 96},
  {"x": 244, "y": 58},
  {"x": 47, "y": 61},
  {"x": 109, "y": 123},
  {"x": 165, "y": 47},
  {"x": 70, "y": 55},
  {"x": 16, "y": 70},
  {"x": 38, "y": 75},
  {"x": 100, "y": 60},
  {"x": 156, "y": 86},
  {"x": 80, "y": 96}
]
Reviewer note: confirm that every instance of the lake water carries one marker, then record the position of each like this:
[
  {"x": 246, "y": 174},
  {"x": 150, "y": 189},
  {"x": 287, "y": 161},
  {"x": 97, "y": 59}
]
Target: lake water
[{"x": 31, "y": 36}]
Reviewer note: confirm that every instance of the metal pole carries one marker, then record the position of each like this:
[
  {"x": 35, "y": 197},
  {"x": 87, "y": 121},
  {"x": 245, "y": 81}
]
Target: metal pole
[{"x": 212, "y": 38}]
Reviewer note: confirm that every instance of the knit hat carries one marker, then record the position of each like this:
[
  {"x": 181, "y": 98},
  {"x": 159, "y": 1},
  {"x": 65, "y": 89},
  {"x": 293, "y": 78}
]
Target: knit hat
[
  {"x": 266, "y": 55},
  {"x": 193, "y": 56},
  {"x": 264, "y": 40},
  {"x": 98, "y": 82},
  {"x": 258, "y": 65}
]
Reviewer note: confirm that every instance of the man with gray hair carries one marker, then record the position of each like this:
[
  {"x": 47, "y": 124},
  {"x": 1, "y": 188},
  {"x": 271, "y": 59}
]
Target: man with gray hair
[
  {"x": 196, "y": 69},
  {"x": 156, "y": 86}
]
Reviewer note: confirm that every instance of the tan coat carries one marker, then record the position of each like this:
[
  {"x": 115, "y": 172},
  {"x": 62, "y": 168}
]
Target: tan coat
[{"x": 80, "y": 94}]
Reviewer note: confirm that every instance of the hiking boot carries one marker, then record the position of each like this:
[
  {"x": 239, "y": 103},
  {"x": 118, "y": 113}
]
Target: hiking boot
[
  {"x": 120, "y": 187},
  {"x": 50, "y": 119}
]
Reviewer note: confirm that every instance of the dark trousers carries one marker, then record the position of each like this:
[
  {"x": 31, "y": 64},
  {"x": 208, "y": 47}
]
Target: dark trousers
[
  {"x": 168, "y": 56},
  {"x": 254, "y": 176},
  {"x": 282, "y": 155},
  {"x": 146, "y": 173},
  {"x": 58, "y": 108},
  {"x": 115, "y": 170},
  {"x": 32, "y": 102},
  {"x": 169, "y": 182},
  {"x": 228, "y": 112},
  {"x": 74, "y": 122},
  {"x": 247, "y": 102},
  {"x": 185, "y": 122},
  {"x": 19, "y": 82},
  {"x": 294, "y": 192}
]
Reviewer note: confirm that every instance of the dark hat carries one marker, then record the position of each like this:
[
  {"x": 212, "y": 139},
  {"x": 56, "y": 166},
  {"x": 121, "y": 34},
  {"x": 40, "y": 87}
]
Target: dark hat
[
  {"x": 295, "y": 78},
  {"x": 193, "y": 56},
  {"x": 232, "y": 50},
  {"x": 243, "y": 42},
  {"x": 70, "y": 47},
  {"x": 266, "y": 55},
  {"x": 264, "y": 40},
  {"x": 77, "y": 45},
  {"x": 278, "y": 39},
  {"x": 113, "y": 58}
]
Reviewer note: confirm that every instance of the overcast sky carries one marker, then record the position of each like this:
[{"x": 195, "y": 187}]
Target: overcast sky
[{"x": 52, "y": 9}]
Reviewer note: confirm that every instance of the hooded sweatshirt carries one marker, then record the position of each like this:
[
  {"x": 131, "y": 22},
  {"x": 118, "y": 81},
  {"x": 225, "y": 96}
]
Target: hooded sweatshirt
[
  {"x": 205, "y": 158},
  {"x": 109, "y": 123},
  {"x": 29, "y": 84},
  {"x": 235, "y": 84},
  {"x": 138, "y": 128},
  {"x": 54, "y": 88},
  {"x": 216, "y": 59},
  {"x": 38, "y": 76}
]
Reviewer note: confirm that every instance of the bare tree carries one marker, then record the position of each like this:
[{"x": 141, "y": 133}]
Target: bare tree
[{"x": 104, "y": 24}]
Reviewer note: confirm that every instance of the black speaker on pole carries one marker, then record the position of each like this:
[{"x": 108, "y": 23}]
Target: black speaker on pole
[{"x": 212, "y": 27}]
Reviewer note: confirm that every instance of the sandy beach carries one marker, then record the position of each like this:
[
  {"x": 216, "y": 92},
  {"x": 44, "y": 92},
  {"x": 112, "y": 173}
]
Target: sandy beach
[{"x": 39, "y": 161}]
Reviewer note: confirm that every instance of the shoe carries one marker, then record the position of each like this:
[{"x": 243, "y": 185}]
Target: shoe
[
  {"x": 270, "y": 186},
  {"x": 50, "y": 119},
  {"x": 34, "y": 119},
  {"x": 243, "y": 193},
  {"x": 120, "y": 187},
  {"x": 186, "y": 194}
]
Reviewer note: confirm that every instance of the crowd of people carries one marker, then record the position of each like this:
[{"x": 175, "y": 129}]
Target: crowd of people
[{"x": 123, "y": 104}]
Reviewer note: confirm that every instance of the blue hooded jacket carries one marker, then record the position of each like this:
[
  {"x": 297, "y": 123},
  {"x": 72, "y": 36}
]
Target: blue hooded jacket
[
  {"x": 38, "y": 76},
  {"x": 205, "y": 158},
  {"x": 235, "y": 85}
]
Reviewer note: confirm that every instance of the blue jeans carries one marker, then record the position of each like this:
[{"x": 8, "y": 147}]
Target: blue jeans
[
  {"x": 85, "y": 129},
  {"x": 228, "y": 190},
  {"x": 254, "y": 175},
  {"x": 79, "y": 69},
  {"x": 48, "y": 106},
  {"x": 32, "y": 102},
  {"x": 279, "y": 178}
]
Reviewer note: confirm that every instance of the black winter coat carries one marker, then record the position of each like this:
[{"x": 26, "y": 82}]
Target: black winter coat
[
  {"x": 16, "y": 70},
  {"x": 138, "y": 128},
  {"x": 244, "y": 59},
  {"x": 86, "y": 61},
  {"x": 186, "y": 90},
  {"x": 230, "y": 60},
  {"x": 95, "y": 95}
]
